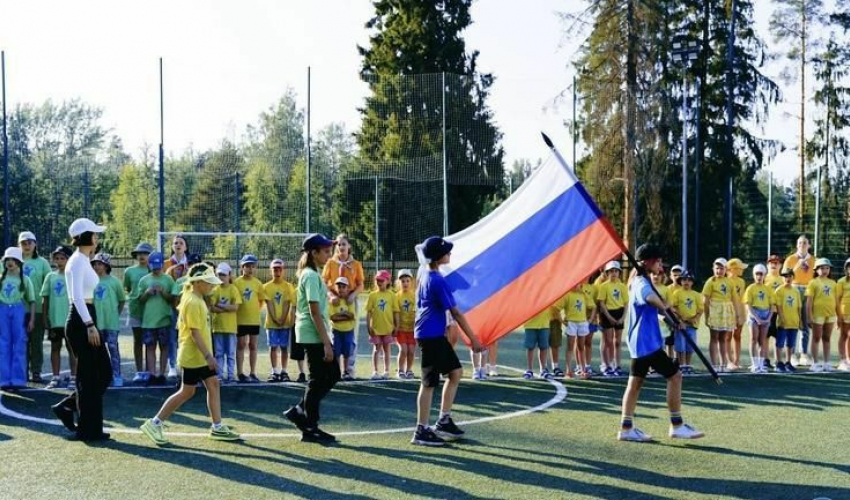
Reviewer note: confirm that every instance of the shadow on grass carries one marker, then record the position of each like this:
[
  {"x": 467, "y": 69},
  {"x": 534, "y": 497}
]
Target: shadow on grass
[{"x": 779, "y": 458}]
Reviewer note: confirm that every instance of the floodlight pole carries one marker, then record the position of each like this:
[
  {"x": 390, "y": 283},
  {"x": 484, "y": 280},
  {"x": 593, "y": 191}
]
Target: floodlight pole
[
  {"x": 7, "y": 238},
  {"x": 161, "y": 153},
  {"x": 307, "y": 215},
  {"x": 445, "y": 164}
]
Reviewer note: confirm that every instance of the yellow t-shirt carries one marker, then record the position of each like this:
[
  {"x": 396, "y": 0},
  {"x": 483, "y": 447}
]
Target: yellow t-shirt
[
  {"x": 253, "y": 298},
  {"x": 843, "y": 291},
  {"x": 225, "y": 295},
  {"x": 687, "y": 303},
  {"x": 590, "y": 290},
  {"x": 787, "y": 301},
  {"x": 719, "y": 290},
  {"x": 758, "y": 296},
  {"x": 740, "y": 286},
  {"x": 575, "y": 306},
  {"x": 342, "y": 307},
  {"x": 663, "y": 292},
  {"x": 822, "y": 291},
  {"x": 774, "y": 281},
  {"x": 279, "y": 294},
  {"x": 540, "y": 321},
  {"x": 801, "y": 277},
  {"x": 672, "y": 289},
  {"x": 193, "y": 315},
  {"x": 614, "y": 295},
  {"x": 407, "y": 308},
  {"x": 382, "y": 306}
]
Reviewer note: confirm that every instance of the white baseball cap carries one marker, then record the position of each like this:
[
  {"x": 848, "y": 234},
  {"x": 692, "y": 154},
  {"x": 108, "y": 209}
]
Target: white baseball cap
[
  {"x": 13, "y": 253},
  {"x": 759, "y": 268},
  {"x": 613, "y": 265},
  {"x": 405, "y": 272},
  {"x": 26, "y": 236},
  {"x": 677, "y": 267},
  {"x": 83, "y": 225},
  {"x": 723, "y": 262},
  {"x": 223, "y": 268},
  {"x": 342, "y": 280}
]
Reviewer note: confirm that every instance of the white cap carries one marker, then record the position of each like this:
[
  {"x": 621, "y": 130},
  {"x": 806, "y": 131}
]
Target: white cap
[
  {"x": 759, "y": 268},
  {"x": 13, "y": 253},
  {"x": 723, "y": 262},
  {"x": 405, "y": 272},
  {"x": 84, "y": 225},
  {"x": 677, "y": 267},
  {"x": 223, "y": 268},
  {"x": 342, "y": 280},
  {"x": 613, "y": 265},
  {"x": 26, "y": 236}
]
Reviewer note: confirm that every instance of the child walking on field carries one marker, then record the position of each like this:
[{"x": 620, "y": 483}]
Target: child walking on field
[{"x": 382, "y": 318}]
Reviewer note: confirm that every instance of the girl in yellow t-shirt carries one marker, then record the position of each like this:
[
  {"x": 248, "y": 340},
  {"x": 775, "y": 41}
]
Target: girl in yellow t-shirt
[
  {"x": 612, "y": 297},
  {"x": 821, "y": 305},
  {"x": 590, "y": 290},
  {"x": 720, "y": 313},
  {"x": 760, "y": 303},
  {"x": 734, "y": 270},
  {"x": 382, "y": 318},
  {"x": 406, "y": 297},
  {"x": 844, "y": 318}
]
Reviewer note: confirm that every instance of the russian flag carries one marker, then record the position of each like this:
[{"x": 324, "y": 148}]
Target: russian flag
[{"x": 529, "y": 252}]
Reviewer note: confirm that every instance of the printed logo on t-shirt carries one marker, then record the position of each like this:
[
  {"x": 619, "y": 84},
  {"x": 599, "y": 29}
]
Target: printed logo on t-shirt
[
  {"x": 246, "y": 295},
  {"x": 406, "y": 305},
  {"x": 826, "y": 290},
  {"x": 59, "y": 289},
  {"x": 382, "y": 305},
  {"x": 28, "y": 270},
  {"x": 8, "y": 290},
  {"x": 616, "y": 294},
  {"x": 278, "y": 297},
  {"x": 689, "y": 303},
  {"x": 99, "y": 292},
  {"x": 578, "y": 305},
  {"x": 761, "y": 296},
  {"x": 789, "y": 301},
  {"x": 222, "y": 301},
  {"x": 723, "y": 289}
]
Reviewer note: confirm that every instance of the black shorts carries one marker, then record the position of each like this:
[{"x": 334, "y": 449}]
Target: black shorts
[
  {"x": 771, "y": 330},
  {"x": 616, "y": 314},
  {"x": 296, "y": 350},
  {"x": 192, "y": 376},
  {"x": 56, "y": 334},
  {"x": 245, "y": 330},
  {"x": 438, "y": 356},
  {"x": 658, "y": 360}
]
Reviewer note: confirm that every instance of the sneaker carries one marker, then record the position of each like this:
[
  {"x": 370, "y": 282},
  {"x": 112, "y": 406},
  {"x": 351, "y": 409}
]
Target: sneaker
[
  {"x": 843, "y": 367},
  {"x": 633, "y": 434},
  {"x": 117, "y": 382},
  {"x": 827, "y": 367},
  {"x": 375, "y": 376},
  {"x": 424, "y": 436},
  {"x": 559, "y": 373},
  {"x": 54, "y": 383},
  {"x": 298, "y": 418},
  {"x": 302, "y": 378},
  {"x": 817, "y": 367},
  {"x": 731, "y": 367},
  {"x": 790, "y": 368},
  {"x": 795, "y": 360},
  {"x": 401, "y": 375},
  {"x": 684, "y": 431},
  {"x": 780, "y": 368},
  {"x": 172, "y": 372},
  {"x": 754, "y": 369},
  {"x": 316, "y": 435},
  {"x": 229, "y": 381},
  {"x": 223, "y": 433},
  {"x": 589, "y": 370},
  {"x": 72, "y": 382},
  {"x": 65, "y": 415},
  {"x": 608, "y": 372},
  {"x": 273, "y": 377},
  {"x": 476, "y": 374},
  {"x": 493, "y": 372},
  {"x": 36, "y": 378},
  {"x": 409, "y": 375},
  {"x": 804, "y": 360},
  {"x": 138, "y": 378},
  {"x": 528, "y": 375},
  {"x": 546, "y": 375},
  {"x": 284, "y": 377},
  {"x": 347, "y": 377},
  {"x": 385, "y": 376},
  {"x": 243, "y": 379},
  {"x": 619, "y": 372},
  {"x": 153, "y": 432},
  {"x": 767, "y": 364},
  {"x": 447, "y": 430},
  {"x": 252, "y": 379}
]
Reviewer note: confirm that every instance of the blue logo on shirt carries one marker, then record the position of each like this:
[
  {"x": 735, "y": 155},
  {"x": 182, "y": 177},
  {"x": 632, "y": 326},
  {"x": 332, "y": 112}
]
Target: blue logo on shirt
[
  {"x": 789, "y": 301},
  {"x": 689, "y": 303},
  {"x": 246, "y": 295},
  {"x": 616, "y": 294},
  {"x": 723, "y": 289},
  {"x": 222, "y": 301},
  {"x": 382, "y": 305},
  {"x": 406, "y": 305},
  {"x": 761, "y": 296},
  {"x": 278, "y": 297},
  {"x": 8, "y": 290},
  {"x": 578, "y": 305},
  {"x": 826, "y": 290},
  {"x": 28, "y": 270},
  {"x": 59, "y": 288},
  {"x": 99, "y": 292}
]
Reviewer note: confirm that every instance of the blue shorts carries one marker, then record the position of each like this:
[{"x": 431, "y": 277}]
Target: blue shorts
[
  {"x": 786, "y": 337},
  {"x": 536, "y": 337},
  {"x": 154, "y": 336},
  {"x": 278, "y": 337},
  {"x": 593, "y": 328},
  {"x": 682, "y": 344},
  {"x": 758, "y": 314},
  {"x": 343, "y": 343}
]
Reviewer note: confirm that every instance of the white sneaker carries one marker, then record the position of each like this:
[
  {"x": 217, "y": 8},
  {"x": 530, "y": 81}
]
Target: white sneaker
[
  {"x": 684, "y": 431},
  {"x": 804, "y": 360},
  {"x": 817, "y": 367},
  {"x": 827, "y": 367},
  {"x": 139, "y": 377},
  {"x": 795, "y": 360},
  {"x": 476, "y": 374},
  {"x": 493, "y": 372},
  {"x": 754, "y": 369},
  {"x": 375, "y": 376},
  {"x": 172, "y": 372},
  {"x": 385, "y": 376},
  {"x": 633, "y": 434},
  {"x": 843, "y": 367},
  {"x": 482, "y": 374}
]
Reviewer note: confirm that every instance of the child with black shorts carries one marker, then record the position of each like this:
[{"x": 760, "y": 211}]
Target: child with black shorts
[
  {"x": 195, "y": 356},
  {"x": 433, "y": 299},
  {"x": 248, "y": 318}
]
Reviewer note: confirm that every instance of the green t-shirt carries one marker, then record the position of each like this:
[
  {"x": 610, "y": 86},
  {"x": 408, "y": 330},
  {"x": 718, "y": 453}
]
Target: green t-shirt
[
  {"x": 311, "y": 288},
  {"x": 132, "y": 276},
  {"x": 177, "y": 289},
  {"x": 10, "y": 291},
  {"x": 56, "y": 288},
  {"x": 36, "y": 270},
  {"x": 107, "y": 295},
  {"x": 157, "y": 310}
]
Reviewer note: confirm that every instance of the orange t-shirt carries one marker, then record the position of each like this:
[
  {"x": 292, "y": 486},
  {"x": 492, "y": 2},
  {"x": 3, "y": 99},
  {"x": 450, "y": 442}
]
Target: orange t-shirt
[
  {"x": 353, "y": 270},
  {"x": 801, "y": 276}
]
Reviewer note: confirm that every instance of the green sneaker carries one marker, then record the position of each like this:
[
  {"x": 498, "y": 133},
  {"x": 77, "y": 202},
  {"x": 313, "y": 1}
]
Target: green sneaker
[
  {"x": 225, "y": 433},
  {"x": 154, "y": 432}
]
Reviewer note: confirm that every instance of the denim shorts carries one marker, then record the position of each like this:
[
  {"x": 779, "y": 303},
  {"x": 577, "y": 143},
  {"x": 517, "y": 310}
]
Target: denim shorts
[
  {"x": 278, "y": 337},
  {"x": 536, "y": 337},
  {"x": 786, "y": 337},
  {"x": 154, "y": 336},
  {"x": 681, "y": 344},
  {"x": 343, "y": 343},
  {"x": 758, "y": 314}
]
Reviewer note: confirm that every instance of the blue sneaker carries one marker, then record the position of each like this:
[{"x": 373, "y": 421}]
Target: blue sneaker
[
  {"x": 117, "y": 382},
  {"x": 528, "y": 375}
]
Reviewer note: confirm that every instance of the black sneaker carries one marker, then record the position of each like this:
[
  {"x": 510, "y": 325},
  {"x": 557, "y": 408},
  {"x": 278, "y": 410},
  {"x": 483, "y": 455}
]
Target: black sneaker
[
  {"x": 447, "y": 430},
  {"x": 767, "y": 364},
  {"x": 284, "y": 377},
  {"x": 65, "y": 415},
  {"x": 252, "y": 379},
  {"x": 243, "y": 379},
  {"x": 559, "y": 373},
  {"x": 424, "y": 436},
  {"x": 297, "y": 418},
  {"x": 346, "y": 376},
  {"x": 36, "y": 378},
  {"x": 302, "y": 378},
  {"x": 790, "y": 368},
  {"x": 316, "y": 435},
  {"x": 274, "y": 377}
]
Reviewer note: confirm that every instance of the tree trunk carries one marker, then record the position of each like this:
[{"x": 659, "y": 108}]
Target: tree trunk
[{"x": 802, "y": 148}]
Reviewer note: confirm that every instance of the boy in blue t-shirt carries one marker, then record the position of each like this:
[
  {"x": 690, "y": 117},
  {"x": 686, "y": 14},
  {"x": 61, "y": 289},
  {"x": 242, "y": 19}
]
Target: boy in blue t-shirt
[
  {"x": 433, "y": 299},
  {"x": 646, "y": 346}
]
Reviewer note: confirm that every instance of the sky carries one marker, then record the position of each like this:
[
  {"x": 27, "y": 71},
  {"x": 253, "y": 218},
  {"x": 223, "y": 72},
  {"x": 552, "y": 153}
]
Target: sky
[{"x": 225, "y": 61}]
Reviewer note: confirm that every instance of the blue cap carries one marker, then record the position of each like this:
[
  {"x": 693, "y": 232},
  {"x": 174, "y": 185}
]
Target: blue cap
[
  {"x": 315, "y": 241},
  {"x": 248, "y": 259},
  {"x": 155, "y": 261},
  {"x": 435, "y": 248},
  {"x": 142, "y": 248},
  {"x": 193, "y": 258}
]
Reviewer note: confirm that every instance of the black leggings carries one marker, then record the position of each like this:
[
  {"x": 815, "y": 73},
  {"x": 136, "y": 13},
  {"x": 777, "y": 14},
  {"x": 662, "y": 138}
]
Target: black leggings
[
  {"x": 323, "y": 377},
  {"x": 94, "y": 374}
]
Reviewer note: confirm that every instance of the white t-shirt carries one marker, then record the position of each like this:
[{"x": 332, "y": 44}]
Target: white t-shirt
[{"x": 82, "y": 280}]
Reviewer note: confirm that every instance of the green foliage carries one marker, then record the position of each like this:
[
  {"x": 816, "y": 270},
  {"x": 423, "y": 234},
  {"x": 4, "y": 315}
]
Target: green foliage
[{"x": 132, "y": 202}]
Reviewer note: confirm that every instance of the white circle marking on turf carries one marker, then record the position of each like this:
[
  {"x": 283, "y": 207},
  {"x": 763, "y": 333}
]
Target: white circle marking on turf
[{"x": 560, "y": 395}]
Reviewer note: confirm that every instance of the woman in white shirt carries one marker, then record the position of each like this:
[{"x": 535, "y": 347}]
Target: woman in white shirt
[{"x": 94, "y": 372}]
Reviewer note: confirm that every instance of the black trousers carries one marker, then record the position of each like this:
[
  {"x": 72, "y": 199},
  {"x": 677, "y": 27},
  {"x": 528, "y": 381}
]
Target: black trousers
[
  {"x": 94, "y": 374},
  {"x": 323, "y": 377}
]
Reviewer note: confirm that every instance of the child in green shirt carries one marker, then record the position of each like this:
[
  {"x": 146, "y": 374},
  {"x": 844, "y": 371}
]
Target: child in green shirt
[
  {"x": 55, "y": 308},
  {"x": 108, "y": 303}
]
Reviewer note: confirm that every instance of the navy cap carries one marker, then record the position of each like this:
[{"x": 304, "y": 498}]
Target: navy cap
[
  {"x": 193, "y": 258},
  {"x": 64, "y": 250},
  {"x": 156, "y": 261},
  {"x": 248, "y": 258},
  {"x": 648, "y": 251},
  {"x": 315, "y": 241},
  {"x": 434, "y": 248},
  {"x": 686, "y": 275},
  {"x": 142, "y": 248}
]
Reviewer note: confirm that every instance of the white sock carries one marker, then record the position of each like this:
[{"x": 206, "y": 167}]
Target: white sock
[{"x": 216, "y": 426}]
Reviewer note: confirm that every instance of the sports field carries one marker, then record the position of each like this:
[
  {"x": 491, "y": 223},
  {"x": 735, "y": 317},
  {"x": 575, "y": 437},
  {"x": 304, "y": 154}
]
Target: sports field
[{"x": 769, "y": 436}]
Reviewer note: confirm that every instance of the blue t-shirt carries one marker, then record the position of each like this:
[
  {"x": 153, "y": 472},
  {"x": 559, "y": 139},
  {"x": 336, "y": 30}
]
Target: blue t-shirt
[
  {"x": 644, "y": 331},
  {"x": 433, "y": 299}
]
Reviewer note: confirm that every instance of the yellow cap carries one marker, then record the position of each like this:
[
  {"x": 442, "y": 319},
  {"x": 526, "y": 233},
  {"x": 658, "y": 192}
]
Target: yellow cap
[{"x": 737, "y": 264}]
